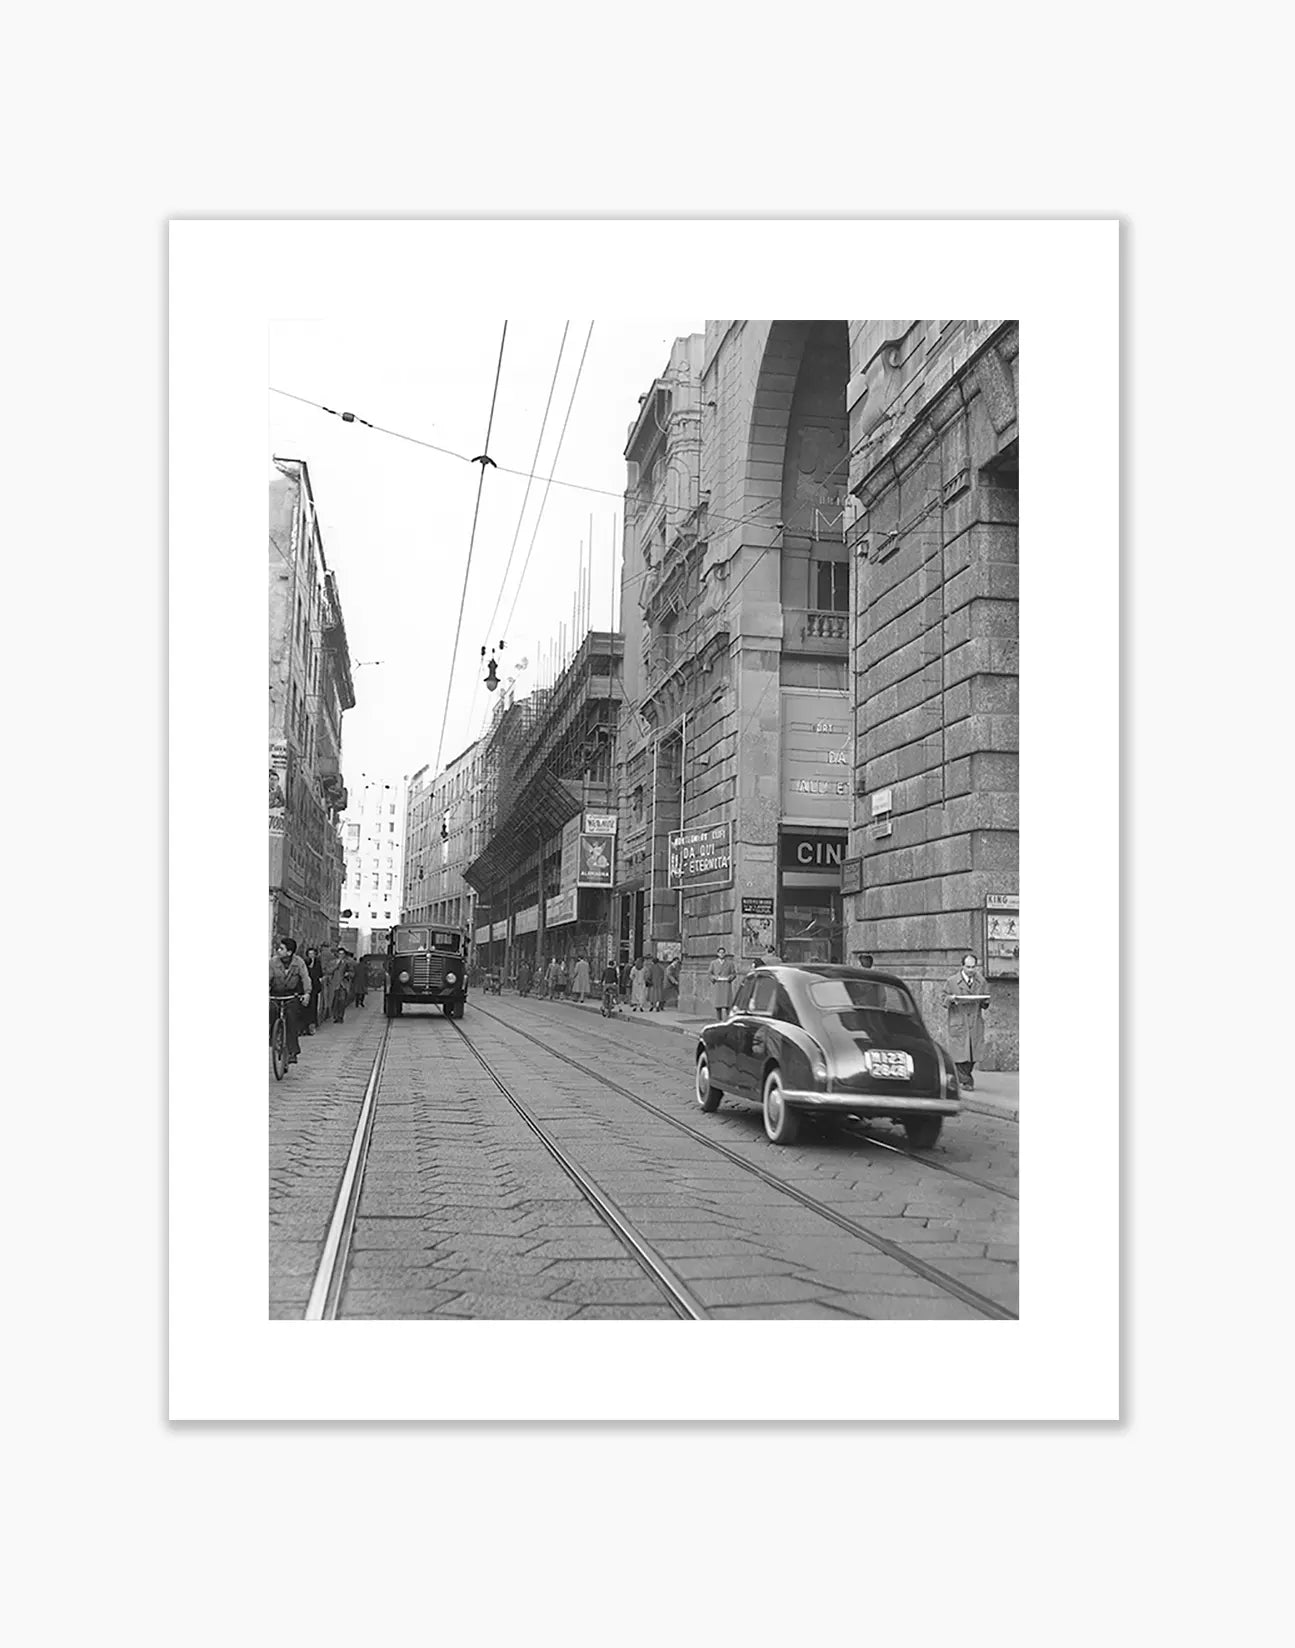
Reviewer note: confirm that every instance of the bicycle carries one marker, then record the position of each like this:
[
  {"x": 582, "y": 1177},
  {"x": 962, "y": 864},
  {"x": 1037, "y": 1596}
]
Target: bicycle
[
  {"x": 279, "y": 1037},
  {"x": 611, "y": 1001}
]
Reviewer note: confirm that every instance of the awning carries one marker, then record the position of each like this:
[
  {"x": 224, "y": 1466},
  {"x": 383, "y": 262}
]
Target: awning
[{"x": 539, "y": 812}]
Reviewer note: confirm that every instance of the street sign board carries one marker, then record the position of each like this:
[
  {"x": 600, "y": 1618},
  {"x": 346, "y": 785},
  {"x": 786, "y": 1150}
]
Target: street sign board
[{"x": 700, "y": 859}]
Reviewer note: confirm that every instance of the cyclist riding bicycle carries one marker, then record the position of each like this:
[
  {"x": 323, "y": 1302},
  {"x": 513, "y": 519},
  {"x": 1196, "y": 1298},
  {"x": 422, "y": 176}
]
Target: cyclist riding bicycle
[
  {"x": 611, "y": 983},
  {"x": 288, "y": 977}
]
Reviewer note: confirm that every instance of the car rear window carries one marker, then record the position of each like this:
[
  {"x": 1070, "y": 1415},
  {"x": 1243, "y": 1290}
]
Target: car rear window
[{"x": 849, "y": 996}]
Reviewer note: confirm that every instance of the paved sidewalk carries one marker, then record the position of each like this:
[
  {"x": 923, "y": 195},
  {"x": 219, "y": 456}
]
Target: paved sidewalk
[{"x": 996, "y": 1093}]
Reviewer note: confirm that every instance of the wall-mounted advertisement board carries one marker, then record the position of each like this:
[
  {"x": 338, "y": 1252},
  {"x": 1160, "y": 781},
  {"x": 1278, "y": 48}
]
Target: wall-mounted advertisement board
[{"x": 700, "y": 859}]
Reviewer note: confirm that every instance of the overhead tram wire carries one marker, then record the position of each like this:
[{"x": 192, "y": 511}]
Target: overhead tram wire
[
  {"x": 521, "y": 514},
  {"x": 503, "y": 469},
  {"x": 549, "y": 482},
  {"x": 486, "y": 461}
]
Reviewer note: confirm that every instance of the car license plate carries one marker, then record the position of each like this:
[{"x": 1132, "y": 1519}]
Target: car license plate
[{"x": 888, "y": 1064}]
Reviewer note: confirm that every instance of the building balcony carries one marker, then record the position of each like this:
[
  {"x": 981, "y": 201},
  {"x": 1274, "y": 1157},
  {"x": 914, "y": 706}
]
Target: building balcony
[{"x": 806, "y": 629}]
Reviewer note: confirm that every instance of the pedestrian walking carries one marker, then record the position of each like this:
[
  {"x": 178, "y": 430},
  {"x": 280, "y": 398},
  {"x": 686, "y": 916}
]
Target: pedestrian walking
[
  {"x": 560, "y": 982},
  {"x": 524, "y": 978},
  {"x": 672, "y": 981},
  {"x": 967, "y": 996},
  {"x": 344, "y": 980},
  {"x": 316, "y": 974},
  {"x": 638, "y": 984},
  {"x": 627, "y": 977},
  {"x": 722, "y": 974},
  {"x": 327, "y": 969},
  {"x": 655, "y": 985},
  {"x": 289, "y": 976},
  {"x": 361, "y": 980},
  {"x": 580, "y": 982},
  {"x": 551, "y": 979}
]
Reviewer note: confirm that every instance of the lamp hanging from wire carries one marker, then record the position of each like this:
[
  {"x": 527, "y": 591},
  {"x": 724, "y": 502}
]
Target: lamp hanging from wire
[{"x": 492, "y": 669}]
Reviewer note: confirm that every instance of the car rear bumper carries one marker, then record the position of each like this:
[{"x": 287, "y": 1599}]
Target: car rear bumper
[{"x": 871, "y": 1104}]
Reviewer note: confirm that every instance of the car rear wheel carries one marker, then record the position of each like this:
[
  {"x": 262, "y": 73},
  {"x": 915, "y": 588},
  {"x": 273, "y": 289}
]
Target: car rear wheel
[
  {"x": 781, "y": 1122},
  {"x": 708, "y": 1095},
  {"x": 923, "y": 1131}
]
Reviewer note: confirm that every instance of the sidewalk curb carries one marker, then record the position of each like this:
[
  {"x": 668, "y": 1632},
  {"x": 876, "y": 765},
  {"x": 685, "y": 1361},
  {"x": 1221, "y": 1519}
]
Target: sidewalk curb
[
  {"x": 645, "y": 1021},
  {"x": 987, "y": 1107}
]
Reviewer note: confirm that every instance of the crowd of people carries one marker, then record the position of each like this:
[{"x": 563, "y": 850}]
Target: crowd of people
[
  {"x": 322, "y": 984},
  {"x": 646, "y": 984}
]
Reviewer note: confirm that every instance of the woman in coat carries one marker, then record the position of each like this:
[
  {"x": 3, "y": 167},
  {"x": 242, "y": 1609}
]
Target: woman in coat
[
  {"x": 966, "y": 1018},
  {"x": 580, "y": 983},
  {"x": 638, "y": 985},
  {"x": 723, "y": 972}
]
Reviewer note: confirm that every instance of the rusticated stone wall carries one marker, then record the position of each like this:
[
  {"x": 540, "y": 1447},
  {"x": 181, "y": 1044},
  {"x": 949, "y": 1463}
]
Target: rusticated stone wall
[{"x": 934, "y": 661}]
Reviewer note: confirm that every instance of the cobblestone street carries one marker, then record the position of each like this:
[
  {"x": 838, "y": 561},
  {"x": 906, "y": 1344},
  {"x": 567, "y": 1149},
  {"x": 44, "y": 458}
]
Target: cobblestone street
[{"x": 465, "y": 1214}]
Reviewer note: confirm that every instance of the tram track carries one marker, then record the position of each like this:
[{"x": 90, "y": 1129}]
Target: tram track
[
  {"x": 329, "y": 1283},
  {"x": 933, "y": 1274}
]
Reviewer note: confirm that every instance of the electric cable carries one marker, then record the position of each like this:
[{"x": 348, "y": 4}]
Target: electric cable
[
  {"x": 486, "y": 462},
  {"x": 549, "y": 482}
]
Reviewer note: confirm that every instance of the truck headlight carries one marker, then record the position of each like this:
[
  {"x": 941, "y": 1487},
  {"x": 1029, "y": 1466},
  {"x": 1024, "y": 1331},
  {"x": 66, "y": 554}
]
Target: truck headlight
[
  {"x": 451, "y": 978},
  {"x": 403, "y": 977}
]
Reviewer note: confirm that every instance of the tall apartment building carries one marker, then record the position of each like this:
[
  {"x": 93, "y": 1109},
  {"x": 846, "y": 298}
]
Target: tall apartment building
[
  {"x": 310, "y": 690},
  {"x": 373, "y": 837},
  {"x": 444, "y": 831}
]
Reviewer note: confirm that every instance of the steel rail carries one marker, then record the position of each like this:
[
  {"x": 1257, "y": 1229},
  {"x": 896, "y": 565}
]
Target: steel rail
[
  {"x": 681, "y": 1298},
  {"x": 920, "y": 1267},
  {"x": 862, "y": 1135},
  {"x": 326, "y": 1292}
]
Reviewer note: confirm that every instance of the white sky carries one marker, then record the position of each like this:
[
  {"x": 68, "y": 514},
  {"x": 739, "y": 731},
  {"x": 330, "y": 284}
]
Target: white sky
[{"x": 396, "y": 518}]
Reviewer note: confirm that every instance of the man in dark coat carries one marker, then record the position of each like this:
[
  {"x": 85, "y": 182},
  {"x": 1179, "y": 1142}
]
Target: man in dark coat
[{"x": 966, "y": 1017}]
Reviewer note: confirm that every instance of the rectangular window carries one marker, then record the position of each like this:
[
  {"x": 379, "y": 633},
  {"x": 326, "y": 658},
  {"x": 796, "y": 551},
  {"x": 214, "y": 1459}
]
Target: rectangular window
[
  {"x": 375, "y": 884},
  {"x": 833, "y": 586}
]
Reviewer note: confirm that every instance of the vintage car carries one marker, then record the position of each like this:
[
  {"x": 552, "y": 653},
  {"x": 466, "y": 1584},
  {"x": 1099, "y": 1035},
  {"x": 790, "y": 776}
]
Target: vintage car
[{"x": 828, "y": 1040}]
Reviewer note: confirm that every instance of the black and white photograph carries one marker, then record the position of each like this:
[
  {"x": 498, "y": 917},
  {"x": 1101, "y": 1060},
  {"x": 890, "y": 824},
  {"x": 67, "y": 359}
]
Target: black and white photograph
[
  {"x": 649, "y": 704},
  {"x": 598, "y": 651}
]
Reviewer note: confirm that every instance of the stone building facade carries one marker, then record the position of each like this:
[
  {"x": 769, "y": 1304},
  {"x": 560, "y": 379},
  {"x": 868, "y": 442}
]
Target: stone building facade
[
  {"x": 818, "y": 750},
  {"x": 933, "y": 478},
  {"x": 743, "y": 607},
  {"x": 310, "y": 690}
]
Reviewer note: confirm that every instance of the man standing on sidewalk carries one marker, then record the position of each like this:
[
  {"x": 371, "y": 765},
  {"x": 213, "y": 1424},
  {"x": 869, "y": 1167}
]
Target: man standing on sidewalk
[
  {"x": 722, "y": 974},
  {"x": 343, "y": 979},
  {"x": 966, "y": 1018}
]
